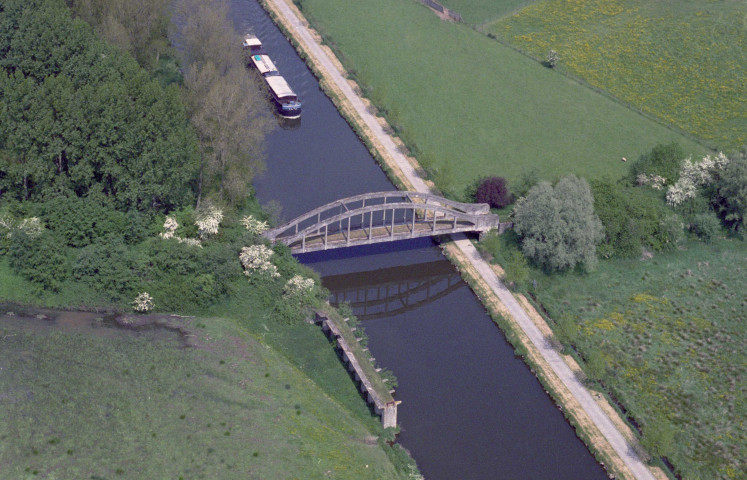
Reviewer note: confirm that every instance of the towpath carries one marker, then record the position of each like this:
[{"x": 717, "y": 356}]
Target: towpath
[{"x": 331, "y": 72}]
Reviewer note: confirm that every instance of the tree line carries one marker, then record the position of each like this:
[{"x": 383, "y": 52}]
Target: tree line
[{"x": 663, "y": 198}]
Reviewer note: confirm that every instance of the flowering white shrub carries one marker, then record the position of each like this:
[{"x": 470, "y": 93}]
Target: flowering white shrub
[
  {"x": 655, "y": 181},
  {"x": 7, "y": 224},
  {"x": 31, "y": 226},
  {"x": 189, "y": 241},
  {"x": 298, "y": 287},
  {"x": 143, "y": 302},
  {"x": 683, "y": 190},
  {"x": 170, "y": 227},
  {"x": 552, "y": 58},
  {"x": 253, "y": 225},
  {"x": 256, "y": 258},
  {"x": 207, "y": 220},
  {"x": 694, "y": 175}
]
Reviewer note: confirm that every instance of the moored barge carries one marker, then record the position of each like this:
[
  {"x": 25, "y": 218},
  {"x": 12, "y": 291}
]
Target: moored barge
[{"x": 286, "y": 101}]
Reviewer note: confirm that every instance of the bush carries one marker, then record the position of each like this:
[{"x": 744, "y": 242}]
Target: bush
[
  {"x": 634, "y": 217},
  {"x": 669, "y": 233},
  {"x": 174, "y": 274},
  {"x": 527, "y": 180},
  {"x": 662, "y": 160},
  {"x": 39, "y": 259},
  {"x": 552, "y": 59},
  {"x": 494, "y": 192},
  {"x": 109, "y": 267},
  {"x": 705, "y": 226},
  {"x": 506, "y": 252},
  {"x": 80, "y": 221}
]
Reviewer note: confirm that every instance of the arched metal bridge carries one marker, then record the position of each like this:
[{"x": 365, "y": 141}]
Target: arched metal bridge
[{"x": 381, "y": 217}]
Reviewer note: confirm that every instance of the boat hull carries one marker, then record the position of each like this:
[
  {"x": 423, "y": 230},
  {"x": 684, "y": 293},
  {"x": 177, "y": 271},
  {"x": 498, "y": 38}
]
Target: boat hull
[{"x": 290, "y": 112}]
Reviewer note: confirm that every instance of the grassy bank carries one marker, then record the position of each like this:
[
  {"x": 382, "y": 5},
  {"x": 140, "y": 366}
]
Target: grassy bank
[
  {"x": 88, "y": 399},
  {"x": 665, "y": 336},
  {"x": 473, "y": 106},
  {"x": 677, "y": 61}
]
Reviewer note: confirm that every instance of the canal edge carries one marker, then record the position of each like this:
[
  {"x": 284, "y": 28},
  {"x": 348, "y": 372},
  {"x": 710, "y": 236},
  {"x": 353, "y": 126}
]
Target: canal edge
[{"x": 408, "y": 175}]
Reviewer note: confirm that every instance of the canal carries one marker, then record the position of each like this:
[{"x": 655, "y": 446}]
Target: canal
[{"x": 470, "y": 409}]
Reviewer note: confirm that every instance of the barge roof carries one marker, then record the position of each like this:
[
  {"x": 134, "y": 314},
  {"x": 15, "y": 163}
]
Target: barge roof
[
  {"x": 280, "y": 87},
  {"x": 251, "y": 41},
  {"x": 264, "y": 64}
]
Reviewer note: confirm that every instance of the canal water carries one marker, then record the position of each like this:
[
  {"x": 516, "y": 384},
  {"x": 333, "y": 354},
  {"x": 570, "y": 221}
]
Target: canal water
[{"x": 470, "y": 409}]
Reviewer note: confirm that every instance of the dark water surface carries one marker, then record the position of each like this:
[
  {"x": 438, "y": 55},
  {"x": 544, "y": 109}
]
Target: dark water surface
[{"x": 470, "y": 409}]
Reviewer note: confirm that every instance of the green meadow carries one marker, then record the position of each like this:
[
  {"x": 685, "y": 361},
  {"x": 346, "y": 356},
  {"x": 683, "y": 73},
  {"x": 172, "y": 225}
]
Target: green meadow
[
  {"x": 473, "y": 107},
  {"x": 666, "y": 336},
  {"x": 683, "y": 62},
  {"x": 88, "y": 399}
]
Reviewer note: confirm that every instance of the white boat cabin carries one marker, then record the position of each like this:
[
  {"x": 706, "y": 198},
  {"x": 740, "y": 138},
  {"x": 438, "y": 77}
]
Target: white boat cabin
[{"x": 252, "y": 43}]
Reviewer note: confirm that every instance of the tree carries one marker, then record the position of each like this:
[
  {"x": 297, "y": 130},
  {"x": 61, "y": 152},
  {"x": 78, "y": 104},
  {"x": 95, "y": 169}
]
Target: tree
[
  {"x": 207, "y": 34},
  {"x": 226, "y": 105},
  {"x": 226, "y": 112},
  {"x": 557, "y": 226},
  {"x": 731, "y": 193},
  {"x": 494, "y": 192},
  {"x": 552, "y": 59},
  {"x": 136, "y": 26}
]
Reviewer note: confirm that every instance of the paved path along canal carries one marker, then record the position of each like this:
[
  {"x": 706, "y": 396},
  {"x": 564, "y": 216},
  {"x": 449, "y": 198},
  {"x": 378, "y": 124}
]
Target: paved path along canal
[{"x": 560, "y": 368}]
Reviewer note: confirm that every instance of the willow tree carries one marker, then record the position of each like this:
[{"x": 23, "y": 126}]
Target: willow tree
[{"x": 558, "y": 226}]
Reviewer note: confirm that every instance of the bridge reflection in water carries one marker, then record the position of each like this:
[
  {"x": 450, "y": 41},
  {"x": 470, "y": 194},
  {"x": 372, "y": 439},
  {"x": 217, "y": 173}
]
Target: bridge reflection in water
[{"x": 389, "y": 291}]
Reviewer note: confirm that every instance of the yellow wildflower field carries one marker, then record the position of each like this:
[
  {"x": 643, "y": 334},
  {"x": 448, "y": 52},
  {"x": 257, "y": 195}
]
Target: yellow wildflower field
[{"x": 682, "y": 62}]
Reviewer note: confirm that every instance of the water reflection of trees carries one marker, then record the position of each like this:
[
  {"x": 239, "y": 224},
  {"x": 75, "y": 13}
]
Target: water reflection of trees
[{"x": 391, "y": 291}]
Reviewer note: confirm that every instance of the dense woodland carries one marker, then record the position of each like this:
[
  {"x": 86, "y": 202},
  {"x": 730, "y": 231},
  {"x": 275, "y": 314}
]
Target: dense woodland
[{"x": 121, "y": 175}]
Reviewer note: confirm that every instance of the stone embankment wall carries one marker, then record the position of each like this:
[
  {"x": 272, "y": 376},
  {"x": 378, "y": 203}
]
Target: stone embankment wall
[{"x": 371, "y": 385}]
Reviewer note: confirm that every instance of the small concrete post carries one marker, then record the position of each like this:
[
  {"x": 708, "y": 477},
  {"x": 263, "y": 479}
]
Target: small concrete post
[
  {"x": 389, "y": 415},
  {"x": 412, "y": 230}
]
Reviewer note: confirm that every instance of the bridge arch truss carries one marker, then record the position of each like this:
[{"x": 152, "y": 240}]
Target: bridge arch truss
[{"x": 381, "y": 217}]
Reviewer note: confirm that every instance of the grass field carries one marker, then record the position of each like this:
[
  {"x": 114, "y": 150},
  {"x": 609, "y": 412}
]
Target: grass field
[
  {"x": 474, "y": 106},
  {"x": 683, "y": 62},
  {"x": 667, "y": 335},
  {"x": 90, "y": 400}
]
